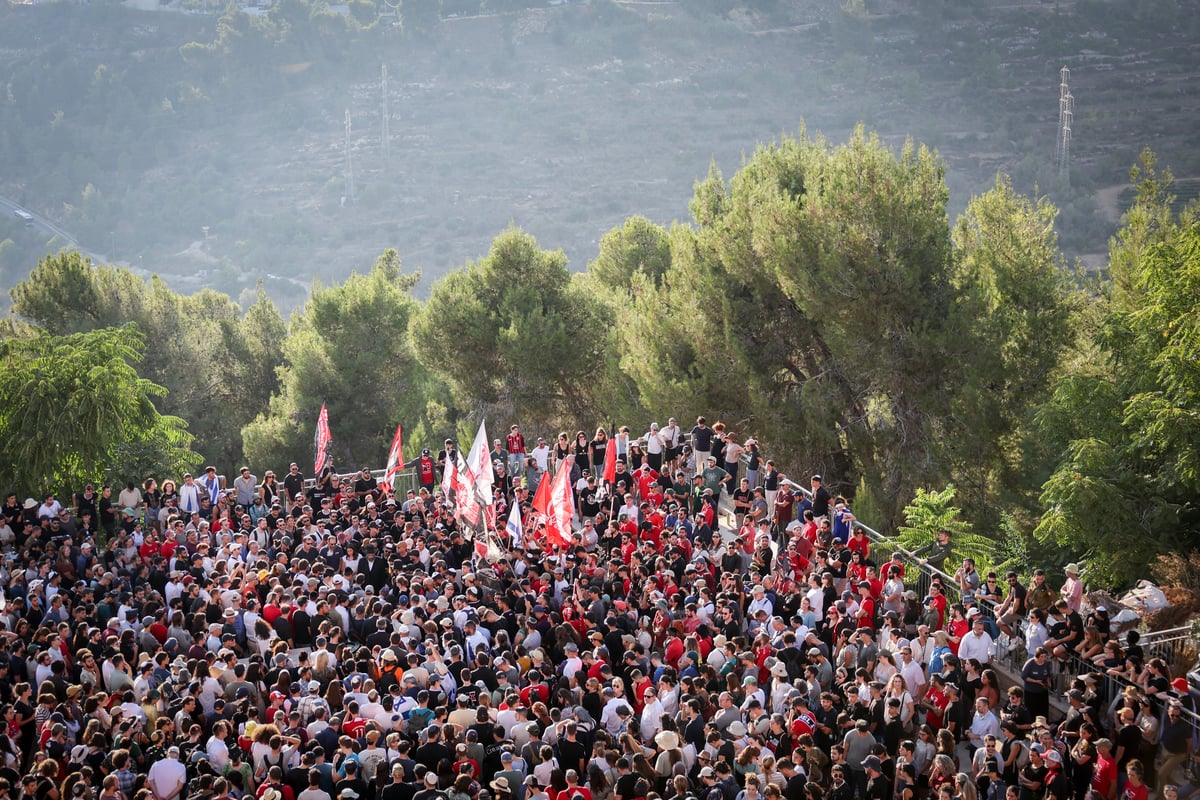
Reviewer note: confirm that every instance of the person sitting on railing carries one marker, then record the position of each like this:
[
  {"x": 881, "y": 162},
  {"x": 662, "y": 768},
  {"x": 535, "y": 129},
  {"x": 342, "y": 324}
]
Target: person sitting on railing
[
  {"x": 1091, "y": 646},
  {"x": 938, "y": 551},
  {"x": 1099, "y": 618},
  {"x": 1012, "y": 609},
  {"x": 1066, "y": 630}
]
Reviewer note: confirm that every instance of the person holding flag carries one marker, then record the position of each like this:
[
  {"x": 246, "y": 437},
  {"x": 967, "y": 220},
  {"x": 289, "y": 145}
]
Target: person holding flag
[
  {"x": 322, "y": 443},
  {"x": 395, "y": 461},
  {"x": 515, "y": 528}
]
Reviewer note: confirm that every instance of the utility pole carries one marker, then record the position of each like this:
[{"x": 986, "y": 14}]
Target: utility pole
[
  {"x": 385, "y": 133},
  {"x": 1066, "y": 114},
  {"x": 349, "y": 163}
]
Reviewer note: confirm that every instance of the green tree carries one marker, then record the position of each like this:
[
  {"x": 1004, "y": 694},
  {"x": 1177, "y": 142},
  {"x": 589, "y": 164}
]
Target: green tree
[
  {"x": 73, "y": 409},
  {"x": 933, "y": 511},
  {"x": 217, "y": 364},
  {"x": 812, "y": 300},
  {"x": 349, "y": 348},
  {"x": 1012, "y": 321},
  {"x": 514, "y": 333},
  {"x": 1124, "y": 417},
  {"x": 638, "y": 246}
]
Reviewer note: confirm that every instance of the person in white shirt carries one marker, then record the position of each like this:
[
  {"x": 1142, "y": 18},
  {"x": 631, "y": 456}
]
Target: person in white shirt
[
  {"x": 912, "y": 672},
  {"x": 656, "y": 446},
  {"x": 217, "y": 750},
  {"x": 652, "y": 712},
  {"x": 977, "y": 644},
  {"x": 189, "y": 494},
  {"x": 541, "y": 455},
  {"x": 983, "y": 724},
  {"x": 760, "y": 602},
  {"x": 167, "y": 777}
]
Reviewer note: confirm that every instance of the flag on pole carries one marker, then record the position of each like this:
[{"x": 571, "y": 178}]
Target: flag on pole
[
  {"x": 479, "y": 461},
  {"x": 516, "y": 530},
  {"x": 541, "y": 498},
  {"x": 449, "y": 476},
  {"x": 395, "y": 459},
  {"x": 468, "y": 511},
  {"x": 562, "y": 507},
  {"x": 322, "y": 442},
  {"x": 610, "y": 463}
]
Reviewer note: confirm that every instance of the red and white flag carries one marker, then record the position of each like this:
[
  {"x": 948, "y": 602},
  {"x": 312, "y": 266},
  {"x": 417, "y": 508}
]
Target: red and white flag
[
  {"x": 610, "y": 464},
  {"x": 468, "y": 511},
  {"x": 322, "y": 442},
  {"x": 561, "y": 507},
  {"x": 479, "y": 461},
  {"x": 395, "y": 459}
]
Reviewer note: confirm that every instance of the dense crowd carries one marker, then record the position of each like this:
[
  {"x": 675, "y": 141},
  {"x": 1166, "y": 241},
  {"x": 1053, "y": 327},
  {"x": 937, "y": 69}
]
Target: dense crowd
[{"x": 710, "y": 633}]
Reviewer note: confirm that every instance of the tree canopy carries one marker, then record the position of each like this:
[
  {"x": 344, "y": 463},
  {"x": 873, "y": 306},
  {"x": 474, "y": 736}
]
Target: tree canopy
[
  {"x": 73, "y": 409},
  {"x": 820, "y": 300}
]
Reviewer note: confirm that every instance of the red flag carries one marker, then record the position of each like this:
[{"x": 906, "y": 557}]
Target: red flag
[
  {"x": 562, "y": 506},
  {"x": 541, "y": 498},
  {"x": 395, "y": 459},
  {"x": 322, "y": 442},
  {"x": 610, "y": 463}
]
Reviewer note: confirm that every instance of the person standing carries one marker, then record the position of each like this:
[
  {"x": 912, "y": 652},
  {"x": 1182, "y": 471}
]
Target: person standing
[
  {"x": 515, "y": 444},
  {"x": 1037, "y": 676},
  {"x": 167, "y": 777},
  {"x": 702, "y": 438},
  {"x": 820, "y": 497},
  {"x": 244, "y": 487}
]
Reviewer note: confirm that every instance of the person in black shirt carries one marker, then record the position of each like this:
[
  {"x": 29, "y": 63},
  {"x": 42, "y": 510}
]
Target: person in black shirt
[
  {"x": 431, "y": 754},
  {"x": 626, "y": 788},
  {"x": 398, "y": 789},
  {"x": 878, "y": 786},
  {"x": 820, "y": 498},
  {"x": 572, "y": 754}
]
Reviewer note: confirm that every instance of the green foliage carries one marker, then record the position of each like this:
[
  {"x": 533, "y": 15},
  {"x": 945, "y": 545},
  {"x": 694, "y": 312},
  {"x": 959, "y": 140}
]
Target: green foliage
[
  {"x": 348, "y": 348},
  {"x": 812, "y": 297},
  {"x": 73, "y": 409},
  {"x": 217, "y": 365},
  {"x": 1012, "y": 321},
  {"x": 637, "y": 247},
  {"x": 513, "y": 332},
  {"x": 1125, "y": 487},
  {"x": 933, "y": 511}
]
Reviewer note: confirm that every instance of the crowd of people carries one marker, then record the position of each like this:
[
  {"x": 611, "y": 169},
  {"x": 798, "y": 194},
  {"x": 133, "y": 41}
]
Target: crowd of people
[{"x": 709, "y": 633}]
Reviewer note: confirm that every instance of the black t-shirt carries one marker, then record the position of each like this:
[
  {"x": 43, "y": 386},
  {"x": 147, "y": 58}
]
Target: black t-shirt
[
  {"x": 572, "y": 755},
  {"x": 820, "y": 502},
  {"x": 627, "y": 786},
  {"x": 702, "y": 438},
  {"x": 1129, "y": 737}
]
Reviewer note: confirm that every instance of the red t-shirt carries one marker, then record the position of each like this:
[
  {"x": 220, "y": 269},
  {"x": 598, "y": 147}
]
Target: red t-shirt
[
  {"x": 571, "y": 791},
  {"x": 1132, "y": 792},
  {"x": 515, "y": 443},
  {"x": 1104, "y": 775}
]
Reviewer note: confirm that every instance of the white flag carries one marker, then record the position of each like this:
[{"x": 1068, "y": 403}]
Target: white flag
[{"x": 514, "y": 528}]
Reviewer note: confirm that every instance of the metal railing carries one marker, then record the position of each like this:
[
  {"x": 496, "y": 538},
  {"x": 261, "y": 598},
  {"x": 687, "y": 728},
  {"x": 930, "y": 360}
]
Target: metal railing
[{"x": 1169, "y": 645}]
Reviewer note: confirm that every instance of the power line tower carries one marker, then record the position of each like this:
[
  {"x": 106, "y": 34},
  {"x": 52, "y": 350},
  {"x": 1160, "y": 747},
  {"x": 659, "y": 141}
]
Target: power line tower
[
  {"x": 385, "y": 133},
  {"x": 1066, "y": 114},
  {"x": 349, "y": 163}
]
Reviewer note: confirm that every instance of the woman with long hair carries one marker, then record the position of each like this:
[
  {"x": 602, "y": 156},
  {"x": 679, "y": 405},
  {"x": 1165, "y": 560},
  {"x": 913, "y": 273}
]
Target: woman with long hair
[
  {"x": 942, "y": 773},
  {"x": 989, "y": 688},
  {"x": 964, "y": 787}
]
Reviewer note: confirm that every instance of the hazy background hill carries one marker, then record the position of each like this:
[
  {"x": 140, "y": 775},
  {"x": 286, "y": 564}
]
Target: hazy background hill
[{"x": 211, "y": 150}]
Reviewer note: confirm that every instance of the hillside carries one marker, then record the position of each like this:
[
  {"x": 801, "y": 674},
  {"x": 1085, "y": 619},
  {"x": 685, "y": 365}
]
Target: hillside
[{"x": 561, "y": 120}]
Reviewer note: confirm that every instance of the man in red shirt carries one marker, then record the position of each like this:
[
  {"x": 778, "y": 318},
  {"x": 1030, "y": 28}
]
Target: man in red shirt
[
  {"x": 1104, "y": 776},
  {"x": 515, "y": 443}
]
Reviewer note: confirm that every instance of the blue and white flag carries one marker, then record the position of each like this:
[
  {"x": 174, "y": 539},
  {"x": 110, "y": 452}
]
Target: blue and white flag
[{"x": 515, "y": 531}]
